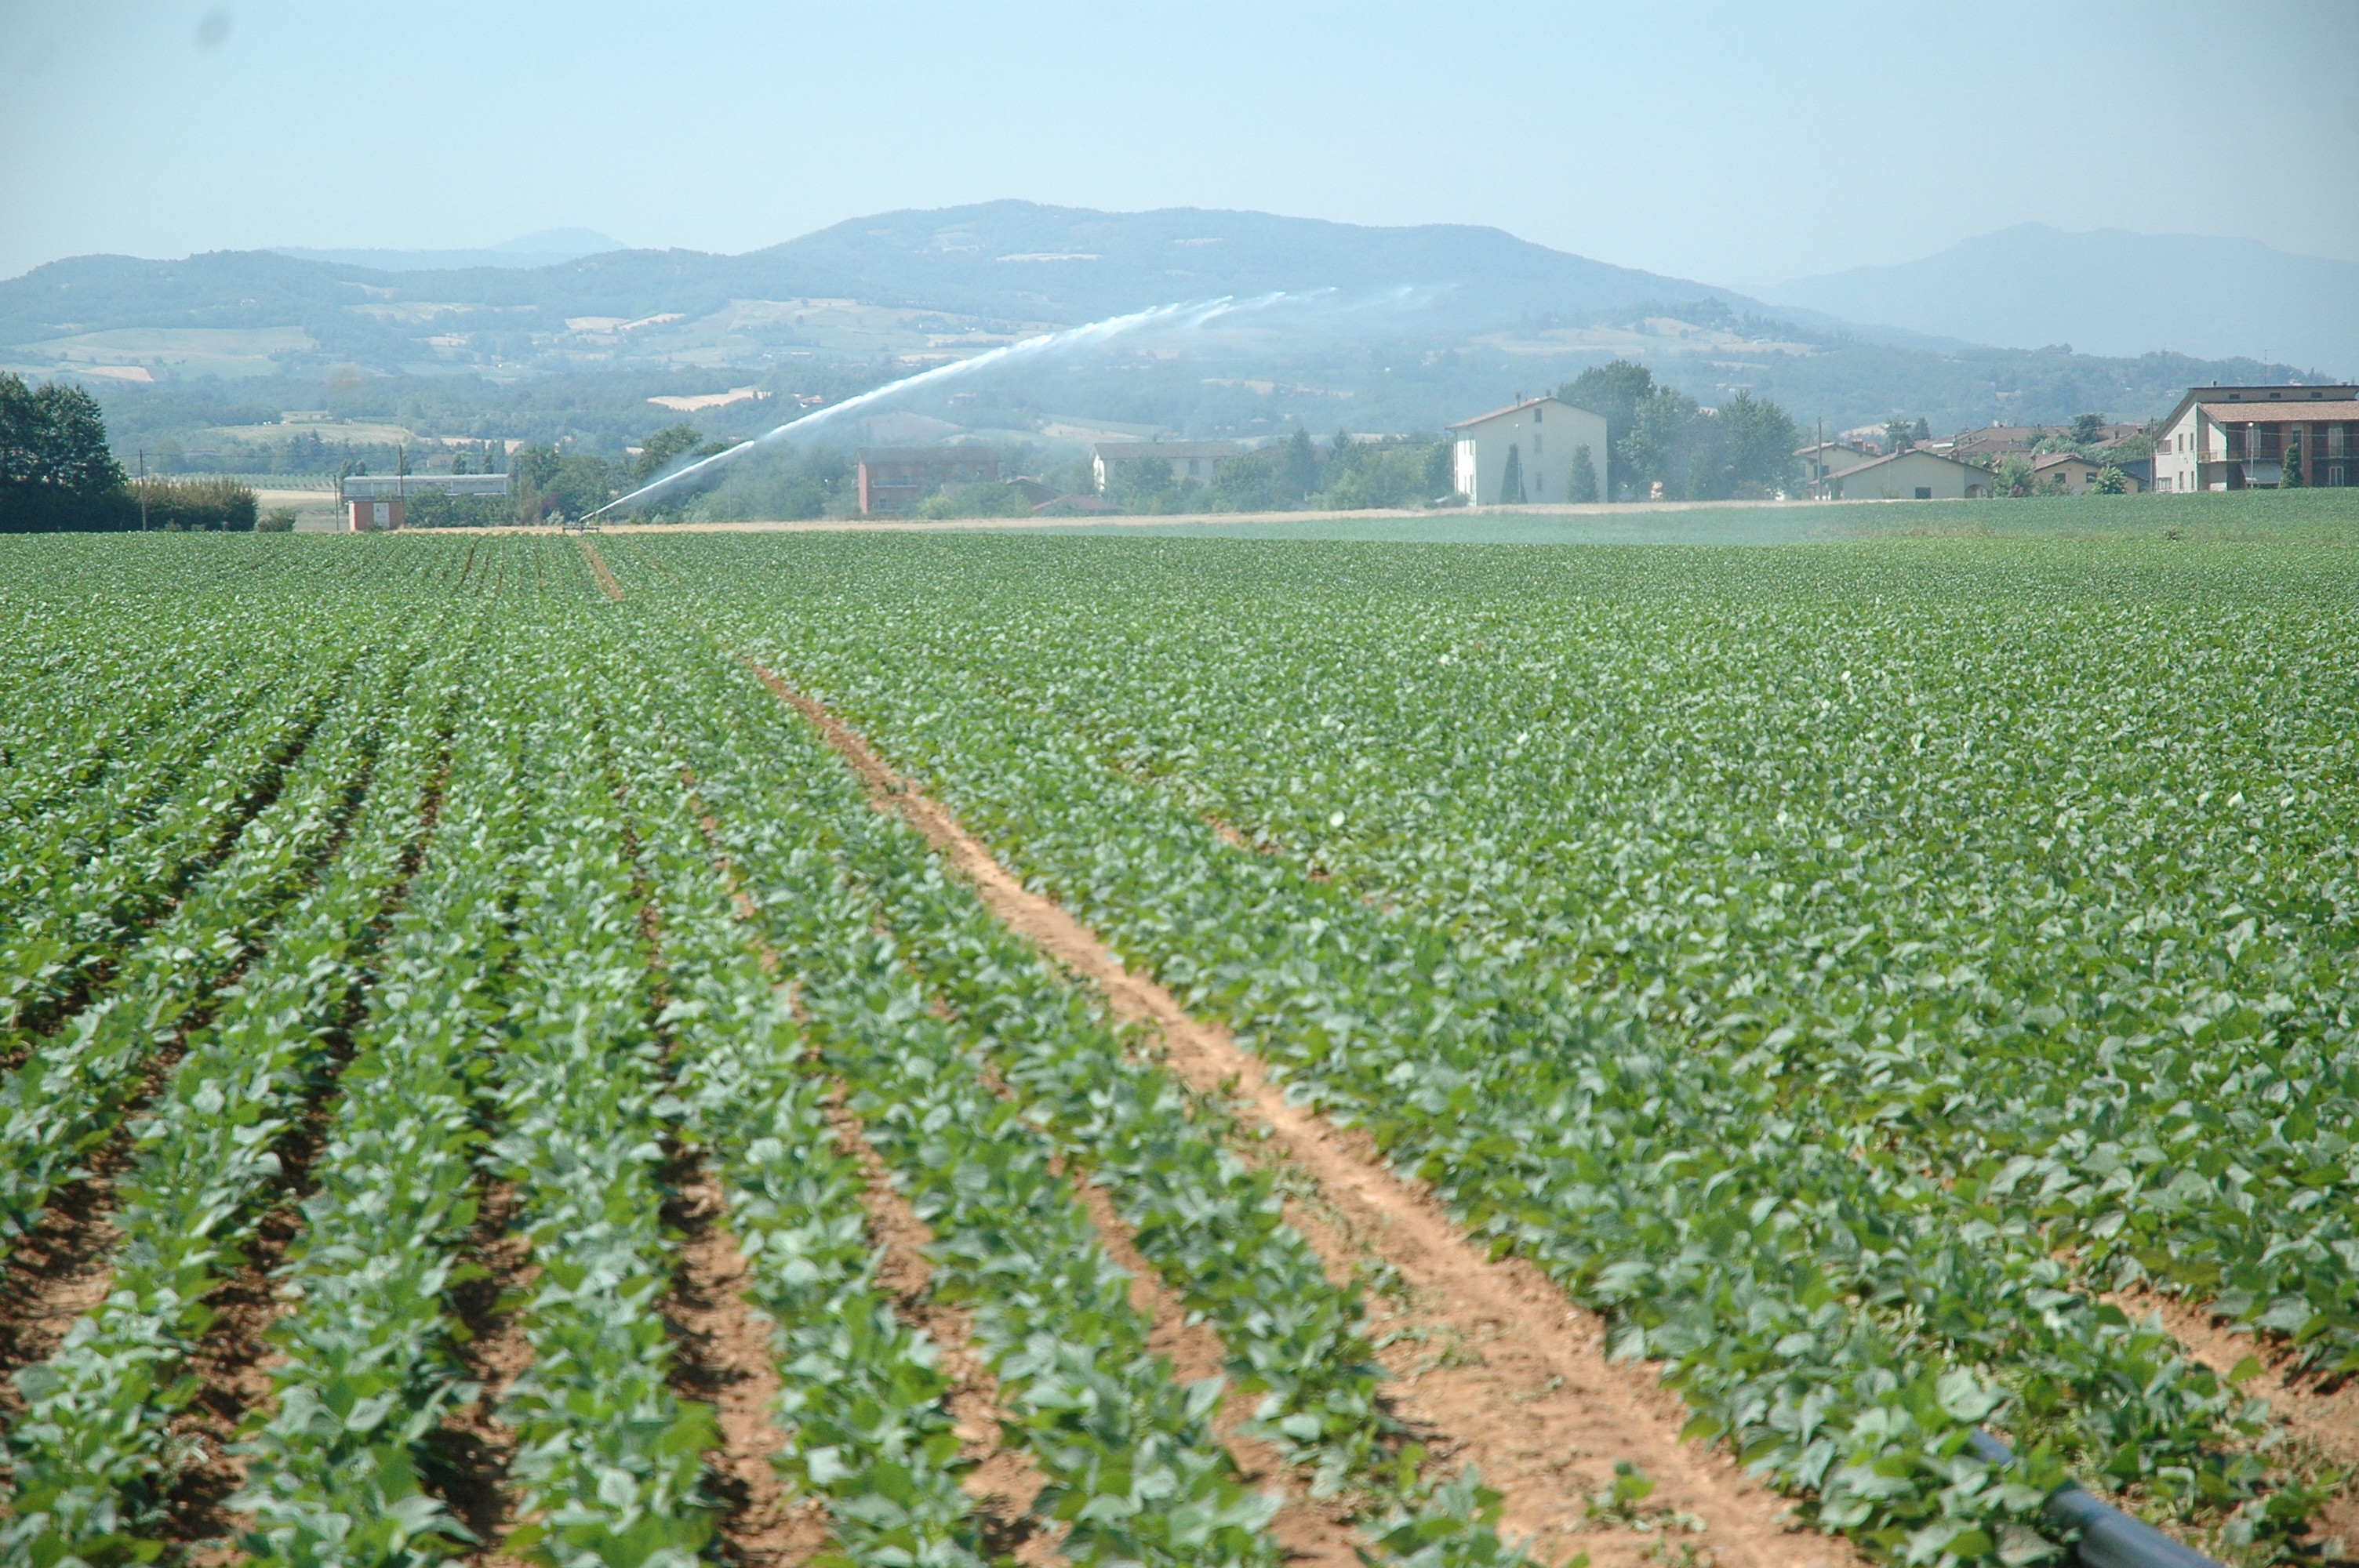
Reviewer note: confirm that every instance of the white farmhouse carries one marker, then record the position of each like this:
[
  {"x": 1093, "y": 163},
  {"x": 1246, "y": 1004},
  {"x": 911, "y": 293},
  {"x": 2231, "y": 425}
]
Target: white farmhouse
[
  {"x": 1189, "y": 460},
  {"x": 1526, "y": 453}
]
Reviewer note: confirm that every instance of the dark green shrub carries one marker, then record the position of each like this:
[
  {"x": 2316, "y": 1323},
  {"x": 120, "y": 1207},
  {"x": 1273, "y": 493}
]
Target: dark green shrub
[{"x": 196, "y": 505}]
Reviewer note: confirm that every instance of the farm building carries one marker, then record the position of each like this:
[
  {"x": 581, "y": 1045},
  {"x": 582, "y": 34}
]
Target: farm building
[
  {"x": 1824, "y": 458},
  {"x": 2076, "y": 475},
  {"x": 1527, "y": 452},
  {"x": 2235, "y": 438},
  {"x": 895, "y": 479},
  {"x": 373, "y": 503},
  {"x": 1189, "y": 460},
  {"x": 1906, "y": 476}
]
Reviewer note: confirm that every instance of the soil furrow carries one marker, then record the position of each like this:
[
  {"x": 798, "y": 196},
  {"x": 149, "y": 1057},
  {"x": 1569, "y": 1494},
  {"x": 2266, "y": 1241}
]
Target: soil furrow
[
  {"x": 723, "y": 1359},
  {"x": 474, "y": 1447},
  {"x": 721, "y": 1354},
  {"x": 1511, "y": 1374},
  {"x": 613, "y": 590},
  {"x": 1314, "y": 1533},
  {"x": 2319, "y": 1412}
]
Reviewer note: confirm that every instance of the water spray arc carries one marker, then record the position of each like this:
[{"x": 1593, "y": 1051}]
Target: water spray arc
[{"x": 1185, "y": 317}]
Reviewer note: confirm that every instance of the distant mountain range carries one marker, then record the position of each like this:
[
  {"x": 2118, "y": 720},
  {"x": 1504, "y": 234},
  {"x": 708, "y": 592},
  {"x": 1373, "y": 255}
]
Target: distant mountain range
[
  {"x": 546, "y": 248},
  {"x": 2109, "y": 292},
  {"x": 1382, "y": 329}
]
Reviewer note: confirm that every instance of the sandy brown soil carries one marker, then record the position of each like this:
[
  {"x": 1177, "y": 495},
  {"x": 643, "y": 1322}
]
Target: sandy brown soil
[
  {"x": 63, "y": 1267},
  {"x": 723, "y": 1359},
  {"x": 1511, "y": 1374},
  {"x": 475, "y": 1446},
  {"x": 233, "y": 1359},
  {"x": 598, "y": 566},
  {"x": 2321, "y": 1414},
  {"x": 58, "y": 1271}
]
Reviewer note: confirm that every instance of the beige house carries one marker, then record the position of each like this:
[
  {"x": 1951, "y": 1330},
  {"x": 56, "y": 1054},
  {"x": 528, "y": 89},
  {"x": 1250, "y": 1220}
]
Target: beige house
[
  {"x": 2235, "y": 438},
  {"x": 1189, "y": 460},
  {"x": 2076, "y": 475},
  {"x": 1527, "y": 452},
  {"x": 1821, "y": 459},
  {"x": 1908, "y": 476}
]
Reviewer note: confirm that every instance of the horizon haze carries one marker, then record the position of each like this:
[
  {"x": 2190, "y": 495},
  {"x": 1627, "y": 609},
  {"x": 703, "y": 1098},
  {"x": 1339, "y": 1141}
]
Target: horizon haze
[{"x": 1785, "y": 145}]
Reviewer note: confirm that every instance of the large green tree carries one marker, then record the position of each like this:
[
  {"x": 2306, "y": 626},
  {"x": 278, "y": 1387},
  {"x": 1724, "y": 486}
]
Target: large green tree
[
  {"x": 1664, "y": 430},
  {"x": 54, "y": 435},
  {"x": 1756, "y": 446},
  {"x": 56, "y": 472},
  {"x": 663, "y": 449},
  {"x": 1614, "y": 392}
]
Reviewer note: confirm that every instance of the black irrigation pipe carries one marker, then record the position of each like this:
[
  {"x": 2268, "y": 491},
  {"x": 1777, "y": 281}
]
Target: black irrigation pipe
[{"x": 2109, "y": 1538}]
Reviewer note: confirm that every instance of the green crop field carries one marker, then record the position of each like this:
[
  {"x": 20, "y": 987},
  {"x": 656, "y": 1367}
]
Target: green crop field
[{"x": 1891, "y": 986}]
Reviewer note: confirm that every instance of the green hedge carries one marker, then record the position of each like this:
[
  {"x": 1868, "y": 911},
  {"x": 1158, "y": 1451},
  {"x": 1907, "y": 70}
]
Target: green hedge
[{"x": 202, "y": 505}]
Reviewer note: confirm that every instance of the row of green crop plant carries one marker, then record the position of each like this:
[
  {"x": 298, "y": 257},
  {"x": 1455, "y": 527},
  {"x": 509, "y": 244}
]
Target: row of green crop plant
[
  {"x": 2024, "y": 1317},
  {"x": 2039, "y": 873},
  {"x": 91, "y": 1457},
  {"x": 85, "y": 692},
  {"x": 865, "y": 1397},
  {"x": 608, "y": 1462},
  {"x": 69, "y": 1094},
  {"x": 89, "y": 877},
  {"x": 916, "y": 1025},
  {"x": 1133, "y": 1468},
  {"x": 2086, "y": 943},
  {"x": 367, "y": 1359}
]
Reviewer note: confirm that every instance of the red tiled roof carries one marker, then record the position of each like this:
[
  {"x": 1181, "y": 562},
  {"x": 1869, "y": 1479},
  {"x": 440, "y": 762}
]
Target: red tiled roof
[{"x": 2278, "y": 413}]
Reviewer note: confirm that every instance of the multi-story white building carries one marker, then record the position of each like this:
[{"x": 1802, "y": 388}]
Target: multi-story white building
[
  {"x": 2235, "y": 438},
  {"x": 1189, "y": 460},
  {"x": 1527, "y": 452}
]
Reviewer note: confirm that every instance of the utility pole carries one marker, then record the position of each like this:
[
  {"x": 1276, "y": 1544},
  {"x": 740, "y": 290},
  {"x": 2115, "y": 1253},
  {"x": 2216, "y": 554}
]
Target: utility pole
[{"x": 143, "y": 489}]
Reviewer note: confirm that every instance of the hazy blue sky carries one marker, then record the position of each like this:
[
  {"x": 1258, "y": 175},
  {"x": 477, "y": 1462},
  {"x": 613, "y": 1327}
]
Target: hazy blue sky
[{"x": 1735, "y": 144}]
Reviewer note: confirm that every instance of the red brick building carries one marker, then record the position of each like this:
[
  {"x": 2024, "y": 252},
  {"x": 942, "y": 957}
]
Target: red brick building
[
  {"x": 373, "y": 502},
  {"x": 895, "y": 479}
]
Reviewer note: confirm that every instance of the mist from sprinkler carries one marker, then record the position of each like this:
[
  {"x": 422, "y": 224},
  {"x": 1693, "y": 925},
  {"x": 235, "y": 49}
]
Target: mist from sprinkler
[{"x": 1184, "y": 317}]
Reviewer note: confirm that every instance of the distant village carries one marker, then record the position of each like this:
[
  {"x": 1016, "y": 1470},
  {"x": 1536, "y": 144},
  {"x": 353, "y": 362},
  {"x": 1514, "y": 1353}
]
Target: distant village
[
  {"x": 1545, "y": 451},
  {"x": 2217, "y": 438}
]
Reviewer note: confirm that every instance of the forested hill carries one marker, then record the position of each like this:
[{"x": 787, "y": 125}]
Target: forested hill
[
  {"x": 1072, "y": 265},
  {"x": 1009, "y": 260},
  {"x": 1398, "y": 329}
]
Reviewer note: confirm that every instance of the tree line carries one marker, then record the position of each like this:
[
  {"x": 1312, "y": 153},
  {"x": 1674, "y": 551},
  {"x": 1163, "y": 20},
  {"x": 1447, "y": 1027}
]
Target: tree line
[
  {"x": 57, "y": 475},
  {"x": 1658, "y": 436}
]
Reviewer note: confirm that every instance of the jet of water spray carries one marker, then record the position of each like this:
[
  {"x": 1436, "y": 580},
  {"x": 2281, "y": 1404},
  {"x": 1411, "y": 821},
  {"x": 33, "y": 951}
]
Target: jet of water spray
[{"x": 1185, "y": 316}]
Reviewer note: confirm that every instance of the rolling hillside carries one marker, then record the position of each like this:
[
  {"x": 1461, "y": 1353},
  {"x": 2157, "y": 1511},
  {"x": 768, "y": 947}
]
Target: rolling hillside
[
  {"x": 2110, "y": 292},
  {"x": 1383, "y": 330}
]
